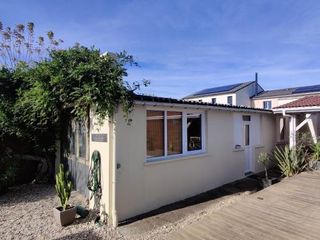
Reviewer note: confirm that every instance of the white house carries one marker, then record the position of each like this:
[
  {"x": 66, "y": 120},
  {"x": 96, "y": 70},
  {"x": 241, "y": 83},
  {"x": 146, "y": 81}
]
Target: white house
[{"x": 174, "y": 149}]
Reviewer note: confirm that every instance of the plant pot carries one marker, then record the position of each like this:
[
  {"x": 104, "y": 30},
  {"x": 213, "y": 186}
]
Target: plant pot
[
  {"x": 64, "y": 217},
  {"x": 266, "y": 182}
]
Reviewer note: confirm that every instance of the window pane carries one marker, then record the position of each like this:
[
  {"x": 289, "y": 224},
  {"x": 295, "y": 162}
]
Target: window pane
[
  {"x": 174, "y": 132},
  {"x": 282, "y": 128},
  {"x": 246, "y": 118},
  {"x": 247, "y": 135},
  {"x": 82, "y": 131},
  {"x": 267, "y": 105},
  {"x": 214, "y": 100},
  {"x": 72, "y": 138},
  {"x": 229, "y": 100},
  {"x": 194, "y": 131},
  {"x": 155, "y": 133}
]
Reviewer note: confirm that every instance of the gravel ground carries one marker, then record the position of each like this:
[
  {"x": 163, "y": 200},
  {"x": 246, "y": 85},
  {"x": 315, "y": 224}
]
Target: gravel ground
[{"x": 26, "y": 213}]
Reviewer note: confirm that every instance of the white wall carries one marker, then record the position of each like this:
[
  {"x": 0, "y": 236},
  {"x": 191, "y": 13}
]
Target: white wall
[
  {"x": 105, "y": 151},
  {"x": 275, "y": 101},
  {"x": 243, "y": 96},
  {"x": 221, "y": 99},
  {"x": 142, "y": 186}
]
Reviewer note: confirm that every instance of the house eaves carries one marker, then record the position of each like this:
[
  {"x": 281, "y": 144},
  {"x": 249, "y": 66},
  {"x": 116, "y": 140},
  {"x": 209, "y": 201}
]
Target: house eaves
[{"x": 171, "y": 102}]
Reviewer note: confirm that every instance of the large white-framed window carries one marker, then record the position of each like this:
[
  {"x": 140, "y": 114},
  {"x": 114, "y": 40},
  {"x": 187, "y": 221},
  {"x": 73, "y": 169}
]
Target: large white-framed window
[{"x": 174, "y": 133}]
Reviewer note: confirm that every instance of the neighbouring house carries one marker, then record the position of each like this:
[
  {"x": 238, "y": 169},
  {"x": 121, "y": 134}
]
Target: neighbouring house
[
  {"x": 174, "y": 149},
  {"x": 303, "y": 115},
  {"x": 239, "y": 94}
]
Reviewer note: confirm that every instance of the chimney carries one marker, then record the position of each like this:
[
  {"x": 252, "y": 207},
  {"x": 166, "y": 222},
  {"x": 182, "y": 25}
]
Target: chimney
[{"x": 256, "y": 84}]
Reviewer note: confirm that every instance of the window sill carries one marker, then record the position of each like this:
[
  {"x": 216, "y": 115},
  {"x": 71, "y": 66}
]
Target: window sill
[
  {"x": 152, "y": 161},
  {"x": 241, "y": 149},
  {"x": 78, "y": 159}
]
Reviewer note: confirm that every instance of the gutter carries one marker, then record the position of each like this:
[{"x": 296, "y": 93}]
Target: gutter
[
  {"x": 297, "y": 110},
  {"x": 207, "y": 107}
]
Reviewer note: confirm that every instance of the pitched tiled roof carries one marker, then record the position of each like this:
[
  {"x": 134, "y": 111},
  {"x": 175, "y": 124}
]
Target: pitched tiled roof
[
  {"x": 310, "y": 101},
  {"x": 288, "y": 91},
  {"x": 145, "y": 98}
]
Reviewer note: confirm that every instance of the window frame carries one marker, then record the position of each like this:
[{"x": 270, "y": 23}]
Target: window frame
[
  {"x": 214, "y": 100},
  {"x": 76, "y": 156},
  {"x": 230, "y": 97},
  {"x": 267, "y": 104},
  {"x": 185, "y": 151}
]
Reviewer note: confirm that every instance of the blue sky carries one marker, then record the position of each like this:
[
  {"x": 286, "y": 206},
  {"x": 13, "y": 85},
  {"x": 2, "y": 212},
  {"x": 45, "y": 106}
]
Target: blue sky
[{"x": 187, "y": 45}]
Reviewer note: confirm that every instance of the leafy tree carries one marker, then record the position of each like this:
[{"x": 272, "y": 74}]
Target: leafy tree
[{"x": 45, "y": 96}]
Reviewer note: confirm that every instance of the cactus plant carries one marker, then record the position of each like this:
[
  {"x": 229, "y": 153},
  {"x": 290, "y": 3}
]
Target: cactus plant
[{"x": 63, "y": 186}]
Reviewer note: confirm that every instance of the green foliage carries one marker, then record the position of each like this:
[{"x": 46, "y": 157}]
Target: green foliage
[
  {"x": 315, "y": 152},
  {"x": 63, "y": 186},
  {"x": 290, "y": 161},
  {"x": 42, "y": 88},
  {"x": 39, "y": 100},
  {"x": 7, "y": 173},
  {"x": 264, "y": 159}
]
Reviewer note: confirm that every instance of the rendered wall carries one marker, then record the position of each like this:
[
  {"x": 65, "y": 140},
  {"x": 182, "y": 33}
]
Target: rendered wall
[
  {"x": 142, "y": 186},
  {"x": 220, "y": 99},
  {"x": 104, "y": 149}
]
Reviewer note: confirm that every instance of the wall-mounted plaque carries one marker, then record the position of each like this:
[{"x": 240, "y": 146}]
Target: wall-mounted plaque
[{"x": 99, "y": 137}]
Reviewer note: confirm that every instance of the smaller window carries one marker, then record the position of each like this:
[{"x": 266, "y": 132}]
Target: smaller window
[
  {"x": 246, "y": 118},
  {"x": 194, "y": 131},
  {"x": 229, "y": 99},
  {"x": 214, "y": 100},
  {"x": 267, "y": 105}
]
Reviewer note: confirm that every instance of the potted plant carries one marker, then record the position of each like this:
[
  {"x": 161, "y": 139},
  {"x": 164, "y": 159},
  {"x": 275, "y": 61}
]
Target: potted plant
[
  {"x": 64, "y": 214},
  {"x": 264, "y": 160}
]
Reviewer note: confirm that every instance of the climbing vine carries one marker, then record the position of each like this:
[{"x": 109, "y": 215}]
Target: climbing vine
[{"x": 45, "y": 96}]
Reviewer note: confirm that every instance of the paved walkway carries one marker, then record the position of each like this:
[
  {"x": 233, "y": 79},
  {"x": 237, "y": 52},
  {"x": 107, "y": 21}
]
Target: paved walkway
[{"x": 287, "y": 210}]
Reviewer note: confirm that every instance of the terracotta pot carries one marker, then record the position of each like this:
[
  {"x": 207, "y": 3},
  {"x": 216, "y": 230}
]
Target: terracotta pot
[{"x": 64, "y": 217}]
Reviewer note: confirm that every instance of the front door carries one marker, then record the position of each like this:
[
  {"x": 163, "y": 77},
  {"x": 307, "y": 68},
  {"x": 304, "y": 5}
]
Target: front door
[{"x": 247, "y": 146}]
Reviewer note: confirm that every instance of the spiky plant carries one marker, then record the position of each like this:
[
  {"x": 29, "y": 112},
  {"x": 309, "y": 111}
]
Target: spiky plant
[
  {"x": 316, "y": 152},
  {"x": 290, "y": 161},
  {"x": 63, "y": 186}
]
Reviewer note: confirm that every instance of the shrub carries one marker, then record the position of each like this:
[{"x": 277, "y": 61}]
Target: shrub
[
  {"x": 63, "y": 186},
  {"x": 264, "y": 160},
  {"x": 290, "y": 161},
  {"x": 7, "y": 170},
  {"x": 315, "y": 152}
]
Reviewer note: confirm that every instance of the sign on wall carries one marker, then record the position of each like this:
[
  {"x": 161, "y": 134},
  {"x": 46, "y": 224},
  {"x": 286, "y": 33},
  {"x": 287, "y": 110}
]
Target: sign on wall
[{"x": 99, "y": 137}]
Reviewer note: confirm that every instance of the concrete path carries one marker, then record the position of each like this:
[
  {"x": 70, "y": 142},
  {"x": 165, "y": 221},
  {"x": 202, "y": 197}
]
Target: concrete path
[{"x": 287, "y": 210}]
